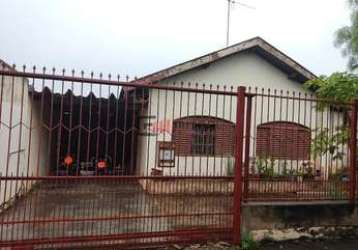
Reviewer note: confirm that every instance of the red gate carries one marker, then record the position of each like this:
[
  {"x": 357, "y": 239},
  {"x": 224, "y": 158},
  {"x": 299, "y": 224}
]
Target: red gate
[
  {"x": 89, "y": 162},
  {"x": 94, "y": 162}
]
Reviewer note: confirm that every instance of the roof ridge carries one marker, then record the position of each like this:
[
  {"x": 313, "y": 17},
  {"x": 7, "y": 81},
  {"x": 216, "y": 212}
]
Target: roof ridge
[
  {"x": 5, "y": 65},
  {"x": 256, "y": 41}
]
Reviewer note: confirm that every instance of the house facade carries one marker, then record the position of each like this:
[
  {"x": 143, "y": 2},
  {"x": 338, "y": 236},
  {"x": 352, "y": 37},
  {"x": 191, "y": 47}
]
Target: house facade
[
  {"x": 199, "y": 129},
  {"x": 185, "y": 128}
]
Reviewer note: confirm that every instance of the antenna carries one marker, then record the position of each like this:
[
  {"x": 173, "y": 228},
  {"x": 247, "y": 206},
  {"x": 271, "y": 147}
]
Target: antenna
[{"x": 229, "y": 3}]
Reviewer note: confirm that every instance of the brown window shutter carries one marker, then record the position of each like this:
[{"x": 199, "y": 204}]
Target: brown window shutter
[
  {"x": 183, "y": 134},
  {"x": 225, "y": 139},
  {"x": 283, "y": 140},
  {"x": 262, "y": 141}
]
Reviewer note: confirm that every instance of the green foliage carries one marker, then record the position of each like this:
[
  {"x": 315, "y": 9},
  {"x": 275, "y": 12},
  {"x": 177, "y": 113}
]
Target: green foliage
[
  {"x": 306, "y": 173},
  {"x": 353, "y": 3},
  {"x": 265, "y": 166},
  {"x": 266, "y": 169},
  {"x": 327, "y": 141},
  {"x": 347, "y": 37},
  {"x": 230, "y": 167},
  {"x": 338, "y": 87},
  {"x": 337, "y": 193},
  {"x": 248, "y": 243},
  {"x": 260, "y": 163}
]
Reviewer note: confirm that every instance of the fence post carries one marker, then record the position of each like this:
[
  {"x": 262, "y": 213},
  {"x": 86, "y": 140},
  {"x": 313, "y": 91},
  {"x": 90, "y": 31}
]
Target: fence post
[
  {"x": 240, "y": 118},
  {"x": 247, "y": 137},
  {"x": 353, "y": 153}
]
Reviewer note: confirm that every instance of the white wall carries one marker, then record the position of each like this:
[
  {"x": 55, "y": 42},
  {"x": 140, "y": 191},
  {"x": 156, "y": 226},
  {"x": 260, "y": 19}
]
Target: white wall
[
  {"x": 21, "y": 152},
  {"x": 246, "y": 69}
]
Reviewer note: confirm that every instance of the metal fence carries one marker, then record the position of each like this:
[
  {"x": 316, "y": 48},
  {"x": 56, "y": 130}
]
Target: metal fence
[
  {"x": 89, "y": 161},
  {"x": 299, "y": 147}
]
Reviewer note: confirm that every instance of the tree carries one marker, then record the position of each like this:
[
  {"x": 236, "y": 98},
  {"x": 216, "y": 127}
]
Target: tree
[
  {"x": 338, "y": 87},
  {"x": 336, "y": 90},
  {"x": 347, "y": 37}
]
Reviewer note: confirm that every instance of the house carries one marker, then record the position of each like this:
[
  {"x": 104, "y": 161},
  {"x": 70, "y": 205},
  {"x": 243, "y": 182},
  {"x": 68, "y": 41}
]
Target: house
[
  {"x": 284, "y": 120},
  {"x": 182, "y": 128}
]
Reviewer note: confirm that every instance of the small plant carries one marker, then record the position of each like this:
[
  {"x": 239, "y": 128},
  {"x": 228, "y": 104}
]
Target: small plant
[
  {"x": 265, "y": 167},
  {"x": 260, "y": 164},
  {"x": 307, "y": 173},
  {"x": 328, "y": 142},
  {"x": 248, "y": 243},
  {"x": 285, "y": 170},
  {"x": 337, "y": 193},
  {"x": 230, "y": 170},
  {"x": 292, "y": 174}
]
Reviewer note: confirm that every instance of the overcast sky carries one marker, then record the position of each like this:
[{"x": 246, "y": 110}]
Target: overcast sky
[{"x": 137, "y": 37}]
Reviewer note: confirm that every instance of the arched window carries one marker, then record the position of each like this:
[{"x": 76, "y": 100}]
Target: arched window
[
  {"x": 203, "y": 135},
  {"x": 283, "y": 140}
]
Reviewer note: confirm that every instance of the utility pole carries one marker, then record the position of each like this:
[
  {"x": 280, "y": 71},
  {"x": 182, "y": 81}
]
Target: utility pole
[{"x": 229, "y": 3}]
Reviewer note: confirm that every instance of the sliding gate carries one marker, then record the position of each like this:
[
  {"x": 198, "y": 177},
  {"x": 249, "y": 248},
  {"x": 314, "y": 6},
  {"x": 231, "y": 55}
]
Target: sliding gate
[{"x": 96, "y": 161}]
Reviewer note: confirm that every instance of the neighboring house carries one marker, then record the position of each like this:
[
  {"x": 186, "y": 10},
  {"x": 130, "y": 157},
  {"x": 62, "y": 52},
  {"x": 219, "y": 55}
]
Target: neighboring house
[
  {"x": 21, "y": 151},
  {"x": 254, "y": 63}
]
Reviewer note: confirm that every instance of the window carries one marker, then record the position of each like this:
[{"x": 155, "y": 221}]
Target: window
[
  {"x": 203, "y": 141},
  {"x": 283, "y": 140},
  {"x": 203, "y": 135}
]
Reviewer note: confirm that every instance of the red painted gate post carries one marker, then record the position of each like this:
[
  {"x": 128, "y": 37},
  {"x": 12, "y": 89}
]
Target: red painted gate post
[
  {"x": 353, "y": 153},
  {"x": 240, "y": 117},
  {"x": 247, "y": 137}
]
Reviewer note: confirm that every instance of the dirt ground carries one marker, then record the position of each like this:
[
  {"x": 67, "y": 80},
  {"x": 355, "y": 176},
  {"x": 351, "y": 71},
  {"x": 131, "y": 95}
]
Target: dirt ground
[{"x": 343, "y": 244}]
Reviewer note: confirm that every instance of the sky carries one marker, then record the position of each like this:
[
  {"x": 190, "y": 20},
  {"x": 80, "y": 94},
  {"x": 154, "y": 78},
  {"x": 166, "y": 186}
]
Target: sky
[{"x": 139, "y": 37}]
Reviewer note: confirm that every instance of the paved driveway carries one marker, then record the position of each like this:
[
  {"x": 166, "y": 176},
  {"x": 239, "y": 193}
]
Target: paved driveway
[
  {"x": 119, "y": 205},
  {"x": 85, "y": 208}
]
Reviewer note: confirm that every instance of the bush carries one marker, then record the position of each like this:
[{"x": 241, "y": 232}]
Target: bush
[{"x": 248, "y": 243}]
